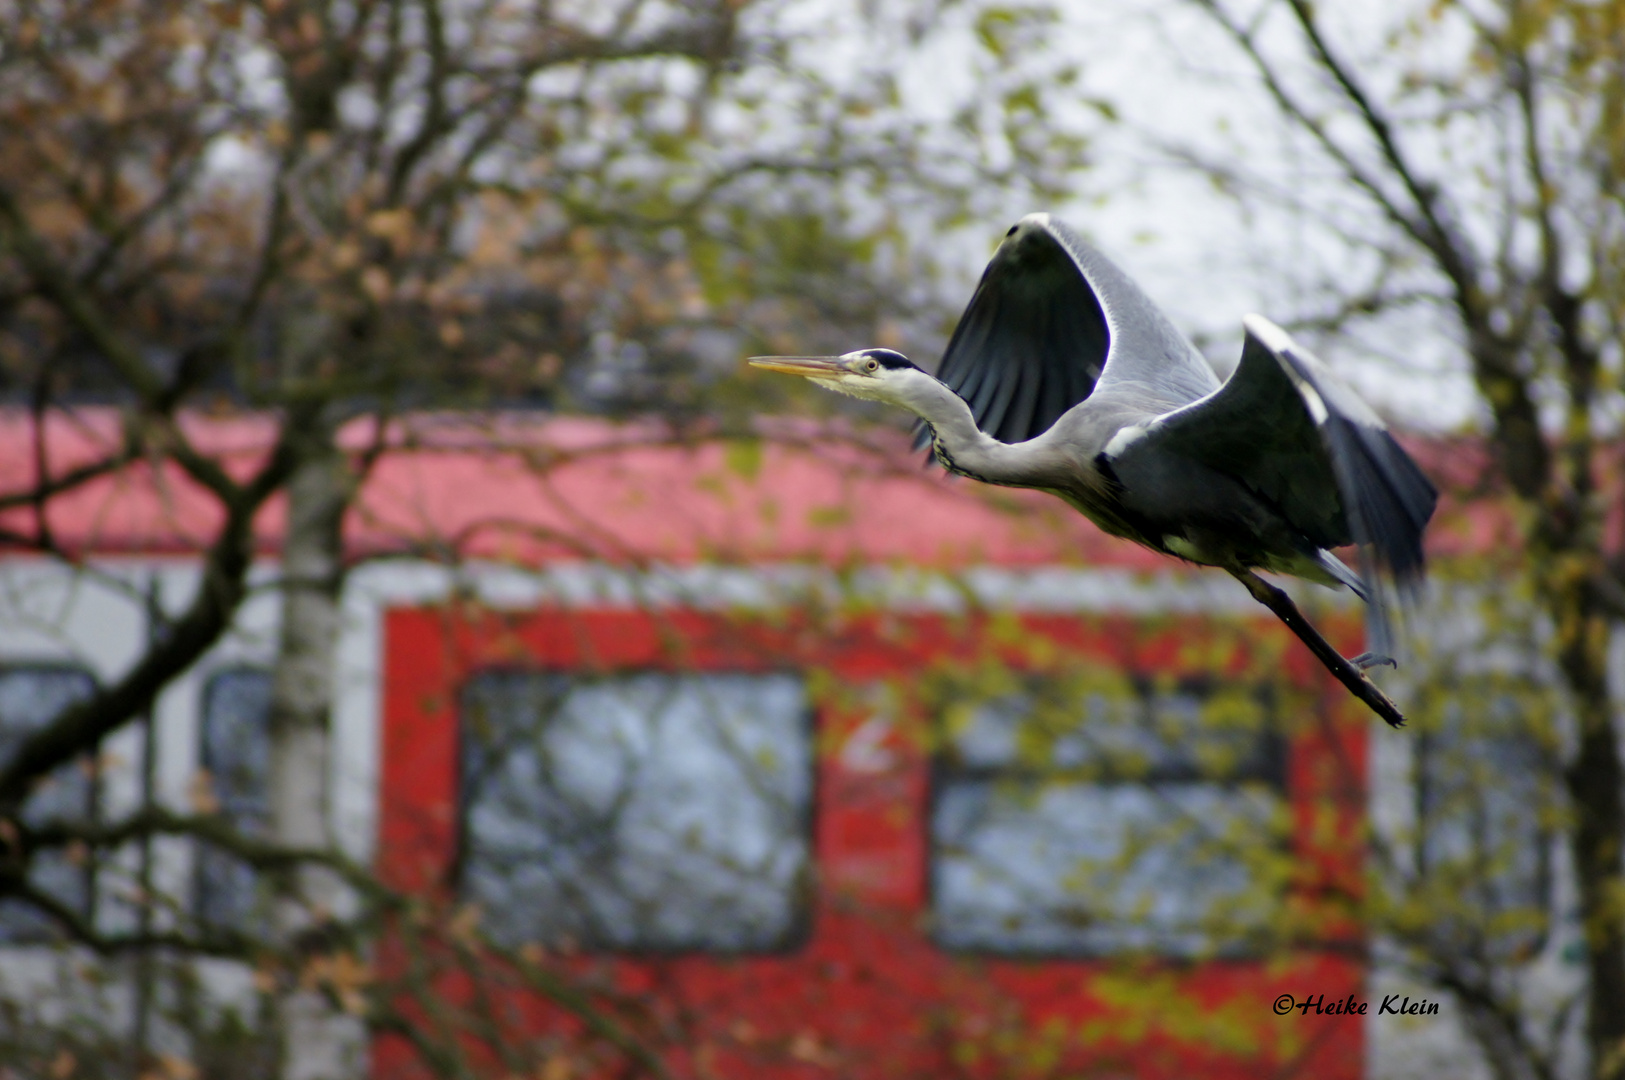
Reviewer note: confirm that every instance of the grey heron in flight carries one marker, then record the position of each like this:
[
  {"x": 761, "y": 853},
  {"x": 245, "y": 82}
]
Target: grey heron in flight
[{"x": 1063, "y": 376}]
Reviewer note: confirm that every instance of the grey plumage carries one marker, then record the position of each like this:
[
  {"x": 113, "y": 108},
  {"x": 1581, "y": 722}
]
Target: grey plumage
[{"x": 1062, "y": 375}]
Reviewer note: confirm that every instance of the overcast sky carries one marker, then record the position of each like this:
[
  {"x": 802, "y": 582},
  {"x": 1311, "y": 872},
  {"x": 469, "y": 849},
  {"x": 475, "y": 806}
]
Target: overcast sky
[{"x": 1198, "y": 253}]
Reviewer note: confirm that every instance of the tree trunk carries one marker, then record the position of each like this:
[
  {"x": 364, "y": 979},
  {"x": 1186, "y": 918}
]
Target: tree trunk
[
  {"x": 1596, "y": 789},
  {"x": 312, "y": 1040}
]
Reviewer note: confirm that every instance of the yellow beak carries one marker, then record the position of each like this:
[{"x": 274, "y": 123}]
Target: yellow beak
[{"x": 812, "y": 367}]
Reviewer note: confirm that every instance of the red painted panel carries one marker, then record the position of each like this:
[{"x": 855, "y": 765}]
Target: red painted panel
[{"x": 533, "y": 489}]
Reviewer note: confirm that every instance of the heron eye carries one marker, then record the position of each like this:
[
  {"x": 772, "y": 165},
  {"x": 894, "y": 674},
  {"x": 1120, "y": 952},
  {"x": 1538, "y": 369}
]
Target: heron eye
[{"x": 873, "y": 365}]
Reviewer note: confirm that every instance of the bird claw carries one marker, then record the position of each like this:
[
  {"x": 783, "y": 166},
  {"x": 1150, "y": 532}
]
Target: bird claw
[{"x": 1367, "y": 660}]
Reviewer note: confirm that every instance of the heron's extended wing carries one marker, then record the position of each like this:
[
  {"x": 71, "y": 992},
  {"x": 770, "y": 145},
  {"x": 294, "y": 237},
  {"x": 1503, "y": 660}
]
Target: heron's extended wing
[
  {"x": 1032, "y": 341},
  {"x": 1051, "y": 318},
  {"x": 1292, "y": 431},
  {"x": 1148, "y": 354}
]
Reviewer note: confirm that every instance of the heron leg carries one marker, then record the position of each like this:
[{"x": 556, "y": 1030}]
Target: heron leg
[
  {"x": 1345, "y": 671},
  {"x": 1367, "y": 660}
]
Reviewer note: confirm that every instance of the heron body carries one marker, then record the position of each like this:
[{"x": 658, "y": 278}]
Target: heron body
[{"x": 1063, "y": 376}]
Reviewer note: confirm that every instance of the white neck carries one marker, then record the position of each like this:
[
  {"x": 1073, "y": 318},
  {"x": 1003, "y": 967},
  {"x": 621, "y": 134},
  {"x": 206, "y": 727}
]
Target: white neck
[{"x": 968, "y": 449}]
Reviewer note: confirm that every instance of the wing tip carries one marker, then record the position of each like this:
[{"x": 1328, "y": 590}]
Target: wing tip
[
  {"x": 1390, "y": 500},
  {"x": 1267, "y": 333}
]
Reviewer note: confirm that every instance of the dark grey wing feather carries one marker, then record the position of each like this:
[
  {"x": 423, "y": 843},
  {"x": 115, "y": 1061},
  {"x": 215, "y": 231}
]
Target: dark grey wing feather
[
  {"x": 1032, "y": 341},
  {"x": 1386, "y": 497},
  {"x": 1289, "y": 429}
]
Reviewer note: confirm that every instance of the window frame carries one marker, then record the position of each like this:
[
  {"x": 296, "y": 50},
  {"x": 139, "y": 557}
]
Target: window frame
[
  {"x": 1444, "y": 741},
  {"x": 52, "y": 934},
  {"x": 1274, "y": 773},
  {"x": 798, "y": 932},
  {"x": 201, "y": 848}
]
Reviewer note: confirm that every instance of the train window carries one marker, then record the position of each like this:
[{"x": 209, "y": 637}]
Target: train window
[
  {"x": 235, "y": 753},
  {"x": 30, "y": 698},
  {"x": 646, "y": 811},
  {"x": 1487, "y": 797},
  {"x": 1092, "y": 825}
]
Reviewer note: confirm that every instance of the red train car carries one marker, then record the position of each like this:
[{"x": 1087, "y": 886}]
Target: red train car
[
  {"x": 796, "y": 760},
  {"x": 928, "y": 783},
  {"x": 910, "y": 915}
]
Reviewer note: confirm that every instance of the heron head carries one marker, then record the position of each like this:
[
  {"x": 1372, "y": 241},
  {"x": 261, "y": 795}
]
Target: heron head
[{"x": 875, "y": 374}]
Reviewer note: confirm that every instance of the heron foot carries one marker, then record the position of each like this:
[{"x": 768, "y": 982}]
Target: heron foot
[{"x": 1368, "y": 660}]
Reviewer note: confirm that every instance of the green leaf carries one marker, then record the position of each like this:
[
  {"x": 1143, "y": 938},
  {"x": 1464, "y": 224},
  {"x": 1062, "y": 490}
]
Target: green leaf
[{"x": 744, "y": 457}]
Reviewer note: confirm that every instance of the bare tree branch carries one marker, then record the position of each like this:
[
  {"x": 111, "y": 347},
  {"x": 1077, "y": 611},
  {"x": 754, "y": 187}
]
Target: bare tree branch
[{"x": 81, "y": 726}]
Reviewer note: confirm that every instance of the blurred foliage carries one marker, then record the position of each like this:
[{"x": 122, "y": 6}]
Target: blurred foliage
[
  {"x": 577, "y": 206},
  {"x": 1451, "y": 173},
  {"x": 306, "y": 213}
]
